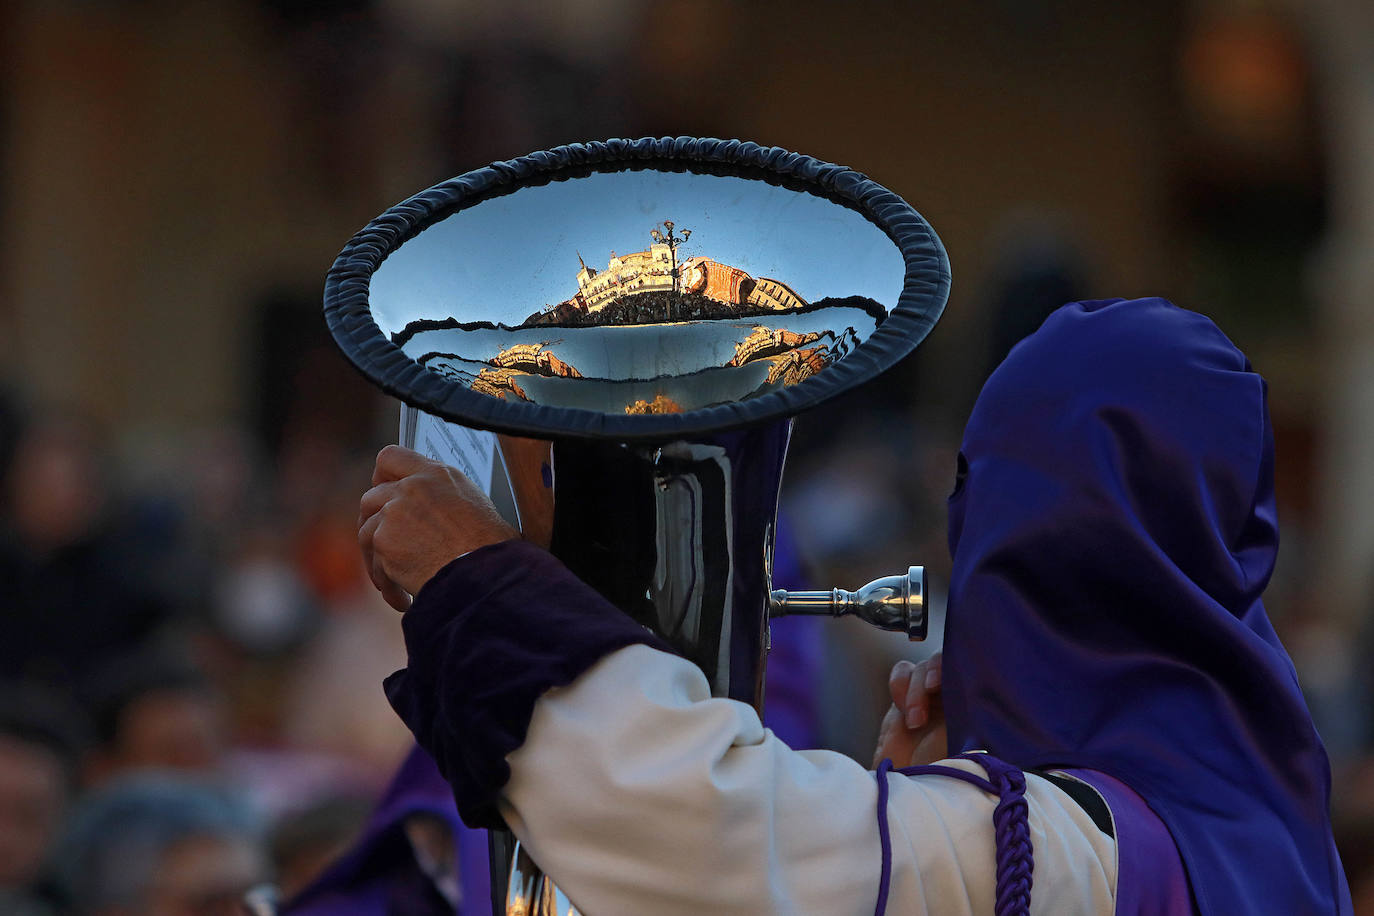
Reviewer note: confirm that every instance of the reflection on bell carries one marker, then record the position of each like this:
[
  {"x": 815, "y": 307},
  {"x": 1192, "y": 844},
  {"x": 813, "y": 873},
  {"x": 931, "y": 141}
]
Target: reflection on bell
[
  {"x": 533, "y": 893},
  {"x": 656, "y": 331},
  {"x": 891, "y": 603}
]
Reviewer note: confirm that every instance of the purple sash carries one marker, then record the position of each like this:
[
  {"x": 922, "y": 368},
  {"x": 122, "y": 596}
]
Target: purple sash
[{"x": 1150, "y": 880}]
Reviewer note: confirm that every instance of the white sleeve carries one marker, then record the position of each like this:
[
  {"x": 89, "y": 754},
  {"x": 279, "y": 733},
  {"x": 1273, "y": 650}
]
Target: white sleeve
[{"x": 639, "y": 793}]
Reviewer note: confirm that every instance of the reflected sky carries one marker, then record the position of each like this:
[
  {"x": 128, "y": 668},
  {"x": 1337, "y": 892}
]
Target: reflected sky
[{"x": 515, "y": 255}]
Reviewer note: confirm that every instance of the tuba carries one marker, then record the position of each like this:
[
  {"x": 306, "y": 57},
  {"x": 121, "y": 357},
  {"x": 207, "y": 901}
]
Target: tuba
[{"x": 659, "y": 310}]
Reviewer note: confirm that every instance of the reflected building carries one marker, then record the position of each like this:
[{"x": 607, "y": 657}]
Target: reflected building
[
  {"x": 499, "y": 382},
  {"x": 765, "y": 342},
  {"x": 671, "y": 288},
  {"x": 661, "y": 403},
  {"x": 625, "y": 275},
  {"x": 775, "y": 295},
  {"x": 534, "y": 357},
  {"x": 797, "y": 365},
  {"x": 790, "y": 354},
  {"x": 716, "y": 281},
  {"x": 517, "y": 361}
]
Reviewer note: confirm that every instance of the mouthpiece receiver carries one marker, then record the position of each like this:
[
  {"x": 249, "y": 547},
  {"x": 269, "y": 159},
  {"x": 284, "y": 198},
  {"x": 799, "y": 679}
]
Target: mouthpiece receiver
[{"x": 895, "y": 603}]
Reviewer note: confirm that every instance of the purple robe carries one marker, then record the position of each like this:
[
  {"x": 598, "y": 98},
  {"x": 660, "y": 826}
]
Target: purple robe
[{"x": 379, "y": 874}]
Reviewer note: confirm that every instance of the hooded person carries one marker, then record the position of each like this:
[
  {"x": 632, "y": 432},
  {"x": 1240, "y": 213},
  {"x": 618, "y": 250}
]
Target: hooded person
[{"x": 1112, "y": 531}]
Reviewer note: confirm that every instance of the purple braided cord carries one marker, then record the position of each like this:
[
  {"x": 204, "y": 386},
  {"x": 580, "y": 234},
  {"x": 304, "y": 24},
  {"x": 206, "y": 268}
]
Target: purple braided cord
[
  {"x": 1015, "y": 862},
  {"x": 884, "y": 838}
]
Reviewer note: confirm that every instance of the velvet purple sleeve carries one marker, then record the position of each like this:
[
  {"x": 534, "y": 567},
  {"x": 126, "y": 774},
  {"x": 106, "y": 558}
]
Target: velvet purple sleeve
[{"x": 485, "y": 638}]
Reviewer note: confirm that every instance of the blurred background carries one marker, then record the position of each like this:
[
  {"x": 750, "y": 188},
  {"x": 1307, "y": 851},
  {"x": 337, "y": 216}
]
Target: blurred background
[{"x": 190, "y": 650}]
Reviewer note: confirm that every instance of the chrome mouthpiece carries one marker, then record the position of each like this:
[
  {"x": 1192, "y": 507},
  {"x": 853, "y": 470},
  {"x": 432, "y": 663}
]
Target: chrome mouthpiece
[{"x": 895, "y": 603}]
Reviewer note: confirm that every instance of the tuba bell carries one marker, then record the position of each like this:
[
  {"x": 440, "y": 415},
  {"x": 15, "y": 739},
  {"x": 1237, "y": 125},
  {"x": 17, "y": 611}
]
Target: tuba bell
[{"x": 659, "y": 310}]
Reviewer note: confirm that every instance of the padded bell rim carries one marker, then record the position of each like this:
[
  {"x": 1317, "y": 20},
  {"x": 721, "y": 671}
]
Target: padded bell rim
[{"x": 925, "y": 288}]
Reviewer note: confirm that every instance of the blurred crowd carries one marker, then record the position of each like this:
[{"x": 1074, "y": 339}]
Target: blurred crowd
[
  {"x": 189, "y": 699},
  {"x": 191, "y": 652}
]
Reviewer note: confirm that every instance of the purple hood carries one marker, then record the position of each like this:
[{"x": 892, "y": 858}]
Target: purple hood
[{"x": 1112, "y": 531}]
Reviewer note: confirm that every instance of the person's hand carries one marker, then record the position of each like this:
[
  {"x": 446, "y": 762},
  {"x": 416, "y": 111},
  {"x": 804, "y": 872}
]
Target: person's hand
[
  {"x": 913, "y": 731},
  {"x": 418, "y": 516}
]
